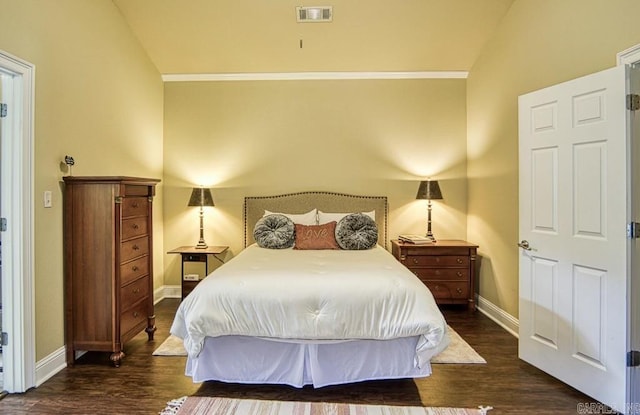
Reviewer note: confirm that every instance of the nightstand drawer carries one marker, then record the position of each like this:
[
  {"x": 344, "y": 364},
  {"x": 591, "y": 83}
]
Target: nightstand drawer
[
  {"x": 448, "y": 289},
  {"x": 436, "y": 261},
  {"x": 441, "y": 273}
]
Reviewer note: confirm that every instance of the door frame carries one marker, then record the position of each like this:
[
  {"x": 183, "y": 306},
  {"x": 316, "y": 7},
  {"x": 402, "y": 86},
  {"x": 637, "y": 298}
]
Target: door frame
[
  {"x": 631, "y": 56},
  {"x": 16, "y": 184}
]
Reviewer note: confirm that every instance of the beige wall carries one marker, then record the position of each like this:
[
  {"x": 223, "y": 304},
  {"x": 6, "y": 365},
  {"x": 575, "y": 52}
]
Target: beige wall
[
  {"x": 271, "y": 137},
  {"x": 539, "y": 43},
  {"x": 99, "y": 99}
]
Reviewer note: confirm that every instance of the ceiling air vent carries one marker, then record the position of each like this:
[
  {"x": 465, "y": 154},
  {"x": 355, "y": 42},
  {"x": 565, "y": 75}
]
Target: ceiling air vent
[{"x": 316, "y": 14}]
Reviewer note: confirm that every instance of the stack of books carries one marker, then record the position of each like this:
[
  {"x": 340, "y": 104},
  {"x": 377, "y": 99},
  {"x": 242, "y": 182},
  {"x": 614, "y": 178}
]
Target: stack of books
[{"x": 415, "y": 239}]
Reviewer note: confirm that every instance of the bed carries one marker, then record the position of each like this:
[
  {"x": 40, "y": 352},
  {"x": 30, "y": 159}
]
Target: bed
[{"x": 298, "y": 315}]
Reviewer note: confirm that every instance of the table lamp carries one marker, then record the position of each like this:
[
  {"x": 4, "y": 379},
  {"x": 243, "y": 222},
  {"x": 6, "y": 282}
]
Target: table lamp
[
  {"x": 201, "y": 196},
  {"x": 429, "y": 189}
]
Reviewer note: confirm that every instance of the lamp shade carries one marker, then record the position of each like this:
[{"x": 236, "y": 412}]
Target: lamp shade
[
  {"x": 429, "y": 189},
  {"x": 201, "y": 196}
]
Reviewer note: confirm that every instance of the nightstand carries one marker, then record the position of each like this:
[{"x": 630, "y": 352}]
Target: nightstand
[
  {"x": 446, "y": 267},
  {"x": 193, "y": 254}
]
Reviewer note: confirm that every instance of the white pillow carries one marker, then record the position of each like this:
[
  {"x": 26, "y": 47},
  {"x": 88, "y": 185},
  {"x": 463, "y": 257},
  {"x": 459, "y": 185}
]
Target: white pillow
[
  {"x": 324, "y": 217},
  {"x": 309, "y": 218}
]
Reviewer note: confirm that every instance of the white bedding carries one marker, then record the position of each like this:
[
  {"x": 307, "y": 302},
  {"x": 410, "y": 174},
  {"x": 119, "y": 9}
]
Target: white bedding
[{"x": 308, "y": 295}]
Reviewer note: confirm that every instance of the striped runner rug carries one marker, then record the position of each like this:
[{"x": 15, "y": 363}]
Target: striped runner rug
[{"x": 195, "y": 405}]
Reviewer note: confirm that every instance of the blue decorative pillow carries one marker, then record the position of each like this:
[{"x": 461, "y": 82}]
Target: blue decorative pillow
[
  {"x": 274, "y": 232},
  {"x": 357, "y": 231}
]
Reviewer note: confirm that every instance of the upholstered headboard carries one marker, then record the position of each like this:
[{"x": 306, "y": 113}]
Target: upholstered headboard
[{"x": 302, "y": 202}]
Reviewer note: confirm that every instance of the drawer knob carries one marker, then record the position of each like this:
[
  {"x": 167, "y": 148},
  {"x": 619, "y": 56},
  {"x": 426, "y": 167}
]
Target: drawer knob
[
  {"x": 135, "y": 247},
  {"x": 459, "y": 273},
  {"x": 459, "y": 290},
  {"x": 134, "y": 204},
  {"x": 135, "y": 314},
  {"x": 135, "y": 226},
  {"x": 136, "y": 290},
  {"x": 436, "y": 287},
  {"x": 459, "y": 260},
  {"x": 134, "y": 268},
  {"x": 415, "y": 260}
]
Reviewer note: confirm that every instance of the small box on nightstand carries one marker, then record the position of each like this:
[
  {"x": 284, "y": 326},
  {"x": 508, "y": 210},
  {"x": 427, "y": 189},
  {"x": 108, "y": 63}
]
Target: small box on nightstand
[{"x": 191, "y": 277}]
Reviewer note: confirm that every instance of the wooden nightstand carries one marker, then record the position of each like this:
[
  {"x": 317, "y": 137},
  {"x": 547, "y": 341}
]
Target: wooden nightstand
[
  {"x": 193, "y": 254},
  {"x": 446, "y": 267}
]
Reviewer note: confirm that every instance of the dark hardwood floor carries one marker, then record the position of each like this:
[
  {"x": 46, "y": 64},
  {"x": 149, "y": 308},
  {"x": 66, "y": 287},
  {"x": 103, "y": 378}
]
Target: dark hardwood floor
[{"x": 144, "y": 383}]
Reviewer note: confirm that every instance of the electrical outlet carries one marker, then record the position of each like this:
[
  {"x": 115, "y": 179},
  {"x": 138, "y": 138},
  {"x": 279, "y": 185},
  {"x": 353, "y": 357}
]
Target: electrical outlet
[{"x": 47, "y": 199}]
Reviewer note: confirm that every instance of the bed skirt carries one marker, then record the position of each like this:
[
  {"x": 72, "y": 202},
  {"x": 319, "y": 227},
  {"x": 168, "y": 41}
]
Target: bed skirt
[{"x": 242, "y": 359}]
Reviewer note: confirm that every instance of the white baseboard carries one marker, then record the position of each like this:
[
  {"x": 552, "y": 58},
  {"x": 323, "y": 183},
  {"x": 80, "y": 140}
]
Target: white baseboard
[
  {"x": 50, "y": 365},
  {"x": 56, "y": 361},
  {"x": 167, "y": 291},
  {"x": 501, "y": 317}
]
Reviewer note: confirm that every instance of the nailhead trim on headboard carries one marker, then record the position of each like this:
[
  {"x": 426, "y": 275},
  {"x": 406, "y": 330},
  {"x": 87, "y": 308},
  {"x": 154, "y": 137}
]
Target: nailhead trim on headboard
[{"x": 311, "y": 194}]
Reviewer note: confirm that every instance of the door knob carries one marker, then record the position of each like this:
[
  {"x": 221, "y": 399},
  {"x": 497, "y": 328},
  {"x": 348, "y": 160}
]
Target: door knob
[{"x": 524, "y": 244}]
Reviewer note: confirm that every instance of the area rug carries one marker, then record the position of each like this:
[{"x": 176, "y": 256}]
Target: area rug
[
  {"x": 458, "y": 350},
  {"x": 196, "y": 405}
]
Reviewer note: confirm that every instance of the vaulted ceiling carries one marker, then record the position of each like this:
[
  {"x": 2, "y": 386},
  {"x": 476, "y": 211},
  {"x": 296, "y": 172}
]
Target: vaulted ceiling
[{"x": 244, "y": 36}]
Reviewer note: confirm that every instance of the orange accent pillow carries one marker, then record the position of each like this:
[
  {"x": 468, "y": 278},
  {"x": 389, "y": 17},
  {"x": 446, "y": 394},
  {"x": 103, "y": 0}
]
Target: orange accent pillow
[{"x": 316, "y": 236}]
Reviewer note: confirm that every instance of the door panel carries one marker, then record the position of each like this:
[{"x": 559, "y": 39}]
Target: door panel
[
  {"x": 545, "y": 197},
  {"x": 589, "y": 190},
  {"x": 544, "y": 279},
  {"x": 573, "y": 213}
]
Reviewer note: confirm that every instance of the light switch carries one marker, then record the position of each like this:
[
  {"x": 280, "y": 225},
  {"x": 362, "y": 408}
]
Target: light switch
[{"x": 47, "y": 198}]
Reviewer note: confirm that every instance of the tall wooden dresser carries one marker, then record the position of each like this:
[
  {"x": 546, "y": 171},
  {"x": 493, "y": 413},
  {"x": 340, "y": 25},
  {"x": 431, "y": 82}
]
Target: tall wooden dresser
[{"x": 108, "y": 247}]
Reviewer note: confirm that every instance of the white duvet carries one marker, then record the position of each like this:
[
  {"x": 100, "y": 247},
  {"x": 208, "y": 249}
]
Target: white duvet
[{"x": 312, "y": 295}]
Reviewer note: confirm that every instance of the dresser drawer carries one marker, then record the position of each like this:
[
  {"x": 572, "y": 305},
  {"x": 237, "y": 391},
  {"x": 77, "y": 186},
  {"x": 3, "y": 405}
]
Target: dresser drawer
[
  {"x": 135, "y": 206},
  {"x": 134, "y": 248},
  {"x": 134, "y": 292},
  {"x": 441, "y": 273},
  {"x": 133, "y": 317},
  {"x": 138, "y": 190},
  {"x": 134, "y": 227},
  {"x": 134, "y": 269},
  {"x": 436, "y": 261},
  {"x": 453, "y": 290}
]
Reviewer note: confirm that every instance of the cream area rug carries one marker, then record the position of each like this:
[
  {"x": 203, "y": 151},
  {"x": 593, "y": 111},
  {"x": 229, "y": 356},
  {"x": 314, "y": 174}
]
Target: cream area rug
[
  {"x": 458, "y": 350},
  {"x": 230, "y": 406}
]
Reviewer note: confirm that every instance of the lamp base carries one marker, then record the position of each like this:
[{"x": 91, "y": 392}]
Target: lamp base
[
  {"x": 201, "y": 245},
  {"x": 430, "y": 237}
]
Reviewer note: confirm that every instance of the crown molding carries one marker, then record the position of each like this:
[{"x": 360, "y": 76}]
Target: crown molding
[{"x": 312, "y": 76}]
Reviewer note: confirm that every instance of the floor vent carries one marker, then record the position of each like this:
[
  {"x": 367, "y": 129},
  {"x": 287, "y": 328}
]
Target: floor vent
[{"x": 317, "y": 14}]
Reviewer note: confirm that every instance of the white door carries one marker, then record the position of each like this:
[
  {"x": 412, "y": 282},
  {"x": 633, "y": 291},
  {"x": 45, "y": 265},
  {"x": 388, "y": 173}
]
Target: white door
[{"x": 574, "y": 208}]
